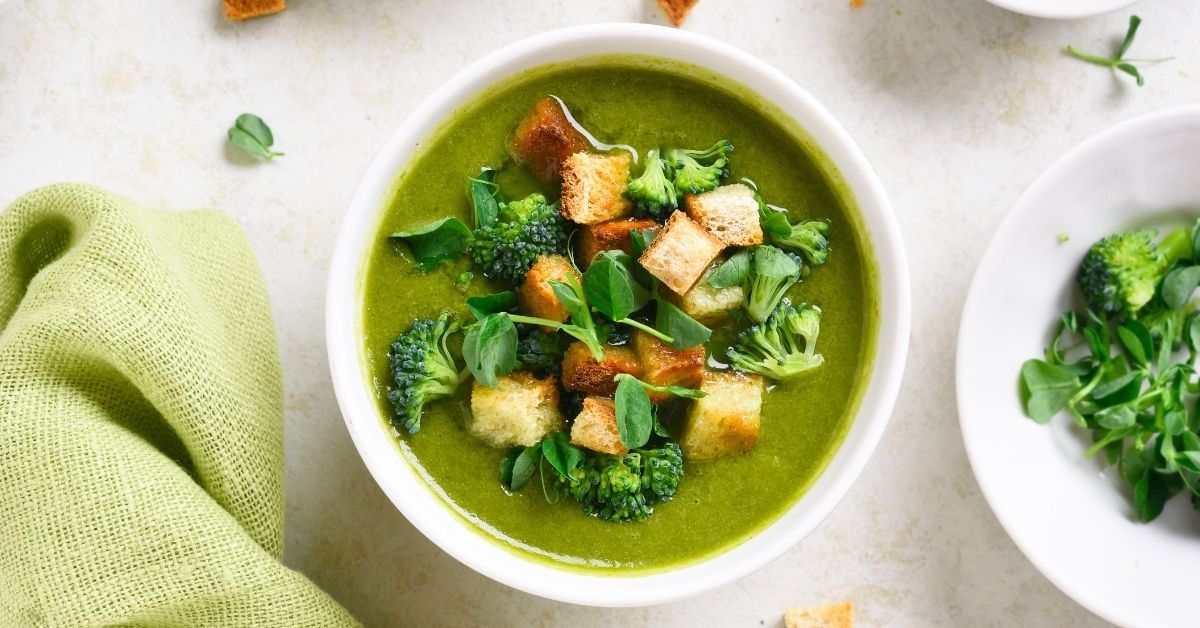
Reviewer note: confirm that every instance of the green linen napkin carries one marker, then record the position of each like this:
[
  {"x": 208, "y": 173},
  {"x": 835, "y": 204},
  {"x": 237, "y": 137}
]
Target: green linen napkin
[{"x": 141, "y": 434}]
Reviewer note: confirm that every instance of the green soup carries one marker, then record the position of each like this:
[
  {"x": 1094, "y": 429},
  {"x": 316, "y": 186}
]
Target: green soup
[{"x": 645, "y": 103}]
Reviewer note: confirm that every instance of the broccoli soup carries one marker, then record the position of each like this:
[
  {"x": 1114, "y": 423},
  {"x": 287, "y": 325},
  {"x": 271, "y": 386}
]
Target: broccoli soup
[{"x": 619, "y": 314}]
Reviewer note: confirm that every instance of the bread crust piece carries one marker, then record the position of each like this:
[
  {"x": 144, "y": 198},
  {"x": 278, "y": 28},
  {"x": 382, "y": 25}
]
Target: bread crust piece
[
  {"x": 680, "y": 253},
  {"x": 246, "y": 9},
  {"x": 663, "y": 365},
  {"x": 595, "y": 427},
  {"x": 520, "y": 410},
  {"x": 536, "y": 297},
  {"x": 580, "y": 371},
  {"x": 545, "y": 139},
  {"x": 726, "y": 421},
  {"x": 839, "y": 615},
  {"x": 593, "y": 188},
  {"x": 608, "y": 236},
  {"x": 729, "y": 212},
  {"x": 677, "y": 10}
]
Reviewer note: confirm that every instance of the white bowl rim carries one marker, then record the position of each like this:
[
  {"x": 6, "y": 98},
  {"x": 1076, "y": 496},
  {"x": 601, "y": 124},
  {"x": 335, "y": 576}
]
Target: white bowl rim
[
  {"x": 1008, "y": 520},
  {"x": 486, "y": 556},
  {"x": 1063, "y": 9}
]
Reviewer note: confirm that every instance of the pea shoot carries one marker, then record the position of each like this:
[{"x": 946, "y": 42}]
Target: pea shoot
[{"x": 1118, "y": 61}]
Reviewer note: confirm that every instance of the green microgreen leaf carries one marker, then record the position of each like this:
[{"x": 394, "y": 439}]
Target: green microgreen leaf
[
  {"x": 483, "y": 305},
  {"x": 1118, "y": 60},
  {"x": 635, "y": 420},
  {"x": 609, "y": 286},
  {"x": 685, "y": 331},
  {"x": 678, "y": 391},
  {"x": 1048, "y": 388},
  {"x": 525, "y": 463},
  {"x": 253, "y": 136},
  {"x": 485, "y": 197},
  {"x": 1179, "y": 286},
  {"x": 490, "y": 348},
  {"x": 442, "y": 239},
  {"x": 732, "y": 272},
  {"x": 561, "y": 454}
]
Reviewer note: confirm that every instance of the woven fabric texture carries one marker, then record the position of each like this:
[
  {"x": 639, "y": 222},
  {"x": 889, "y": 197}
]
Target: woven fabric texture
[{"x": 141, "y": 432}]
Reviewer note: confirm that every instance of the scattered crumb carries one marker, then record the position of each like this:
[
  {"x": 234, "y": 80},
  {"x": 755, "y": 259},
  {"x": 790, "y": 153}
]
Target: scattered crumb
[
  {"x": 246, "y": 9},
  {"x": 676, "y": 10},
  {"x": 1062, "y": 238},
  {"x": 828, "y": 616},
  {"x": 858, "y": 4}
]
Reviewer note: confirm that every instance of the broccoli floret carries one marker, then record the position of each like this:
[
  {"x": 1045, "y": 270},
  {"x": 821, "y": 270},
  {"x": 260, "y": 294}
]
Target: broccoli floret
[
  {"x": 528, "y": 228},
  {"x": 782, "y": 347},
  {"x": 1120, "y": 273},
  {"x": 422, "y": 369},
  {"x": 653, "y": 191},
  {"x": 625, "y": 488},
  {"x": 772, "y": 273},
  {"x": 698, "y": 171},
  {"x": 539, "y": 351},
  {"x": 808, "y": 237}
]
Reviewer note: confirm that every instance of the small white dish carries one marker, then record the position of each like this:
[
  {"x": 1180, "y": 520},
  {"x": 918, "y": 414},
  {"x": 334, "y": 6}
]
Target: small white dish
[
  {"x": 459, "y": 537},
  {"x": 1063, "y": 9},
  {"x": 1071, "y": 516}
]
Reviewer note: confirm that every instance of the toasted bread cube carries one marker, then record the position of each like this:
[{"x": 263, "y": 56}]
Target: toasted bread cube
[
  {"x": 520, "y": 410},
  {"x": 827, "y": 616},
  {"x": 595, "y": 427},
  {"x": 593, "y": 188},
  {"x": 729, "y": 212},
  {"x": 545, "y": 139},
  {"x": 246, "y": 9},
  {"x": 680, "y": 253},
  {"x": 580, "y": 371},
  {"x": 608, "y": 236},
  {"x": 707, "y": 304},
  {"x": 663, "y": 365},
  {"x": 726, "y": 420},
  {"x": 536, "y": 297}
]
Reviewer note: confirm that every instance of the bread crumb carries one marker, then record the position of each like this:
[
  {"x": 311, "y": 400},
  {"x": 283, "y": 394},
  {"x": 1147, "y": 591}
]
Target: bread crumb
[
  {"x": 246, "y": 9},
  {"x": 677, "y": 10}
]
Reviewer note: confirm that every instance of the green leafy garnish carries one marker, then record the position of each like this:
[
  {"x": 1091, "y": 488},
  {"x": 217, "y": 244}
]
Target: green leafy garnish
[
  {"x": 252, "y": 135},
  {"x": 678, "y": 391},
  {"x": 442, "y": 239},
  {"x": 490, "y": 348},
  {"x": 1118, "y": 61},
  {"x": 561, "y": 454},
  {"x": 732, "y": 272},
  {"x": 635, "y": 414},
  {"x": 483, "y": 305}
]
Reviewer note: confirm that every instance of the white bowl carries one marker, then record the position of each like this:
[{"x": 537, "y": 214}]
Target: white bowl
[
  {"x": 1071, "y": 516},
  {"x": 408, "y": 490},
  {"x": 1064, "y": 9}
]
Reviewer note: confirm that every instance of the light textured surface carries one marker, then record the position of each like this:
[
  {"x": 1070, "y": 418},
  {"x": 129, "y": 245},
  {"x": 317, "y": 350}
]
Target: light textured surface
[{"x": 958, "y": 104}]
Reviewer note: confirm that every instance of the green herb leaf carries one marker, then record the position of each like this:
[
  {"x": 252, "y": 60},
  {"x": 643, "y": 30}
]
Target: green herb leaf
[
  {"x": 253, "y": 136},
  {"x": 775, "y": 224},
  {"x": 561, "y": 454},
  {"x": 1175, "y": 421},
  {"x": 635, "y": 420},
  {"x": 685, "y": 331},
  {"x": 485, "y": 197},
  {"x": 1136, "y": 339},
  {"x": 524, "y": 466},
  {"x": 1149, "y": 496},
  {"x": 732, "y": 272},
  {"x": 490, "y": 348},
  {"x": 1118, "y": 60},
  {"x": 610, "y": 288},
  {"x": 442, "y": 239},
  {"x": 1116, "y": 418},
  {"x": 1048, "y": 388},
  {"x": 639, "y": 241},
  {"x": 483, "y": 305},
  {"x": 506, "y": 466},
  {"x": 773, "y": 262},
  {"x": 570, "y": 299},
  {"x": 678, "y": 391},
  {"x": 1135, "y": 22},
  {"x": 1179, "y": 286}
]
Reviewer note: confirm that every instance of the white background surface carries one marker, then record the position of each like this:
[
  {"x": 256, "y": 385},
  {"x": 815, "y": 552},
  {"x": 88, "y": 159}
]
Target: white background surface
[{"x": 957, "y": 103}]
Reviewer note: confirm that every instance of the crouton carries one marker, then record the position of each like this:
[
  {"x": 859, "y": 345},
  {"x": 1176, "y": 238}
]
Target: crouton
[
  {"x": 680, "y": 253},
  {"x": 676, "y": 10},
  {"x": 593, "y": 188},
  {"x": 535, "y": 295},
  {"x": 729, "y": 212},
  {"x": 520, "y": 410},
  {"x": 828, "y": 616},
  {"x": 663, "y": 365},
  {"x": 246, "y": 9},
  {"x": 580, "y": 371},
  {"x": 707, "y": 304},
  {"x": 608, "y": 236},
  {"x": 595, "y": 427},
  {"x": 545, "y": 139},
  {"x": 726, "y": 420}
]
